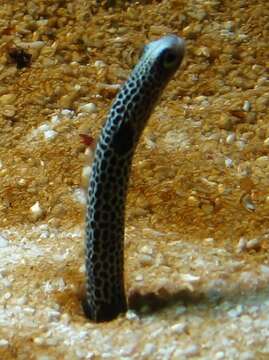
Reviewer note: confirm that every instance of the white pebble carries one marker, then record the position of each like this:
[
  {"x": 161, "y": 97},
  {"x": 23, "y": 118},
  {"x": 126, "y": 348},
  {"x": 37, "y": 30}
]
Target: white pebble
[
  {"x": 44, "y": 235},
  {"x": 7, "y": 295},
  {"x": 190, "y": 278},
  {"x": 131, "y": 315},
  {"x": 234, "y": 313},
  {"x": 147, "y": 250},
  {"x": 149, "y": 349},
  {"x": 253, "y": 244},
  {"x": 248, "y": 203},
  {"x": 242, "y": 244},
  {"x": 3, "y": 242},
  {"x": 150, "y": 143},
  {"x": 80, "y": 196},
  {"x": 240, "y": 144},
  {"x": 21, "y": 182},
  {"x": 82, "y": 269},
  {"x": 247, "y": 105},
  {"x": 77, "y": 87},
  {"x": 228, "y": 162},
  {"x": 50, "y": 134},
  {"x": 209, "y": 240},
  {"x": 29, "y": 310},
  {"x": 36, "y": 210},
  {"x": 3, "y": 343},
  {"x": 53, "y": 314},
  {"x": 39, "y": 340},
  {"x": 43, "y": 127},
  {"x": 55, "y": 119},
  {"x": 266, "y": 142},
  {"x": 86, "y": 173},
  {"x": 157, "y": 332},
  {"x": 139, "y": 277},
  {"x": 99, "y": 64},
  {"x": 22, "y": 300},
  {"x": 264, "y": 269},
  {"x": 230, "y": 138},
  {"x": 178, "y": 328},
  {"x": 219, "y": 355},
  {"x": 89, "y": 152},
  {"x": 67, "y": 113},
  {"x": 89, "y": 108},
  {"x": 6, "y": 283},
  {"x": 192, "y": 350},
  {"x": 32, "y": 45}
]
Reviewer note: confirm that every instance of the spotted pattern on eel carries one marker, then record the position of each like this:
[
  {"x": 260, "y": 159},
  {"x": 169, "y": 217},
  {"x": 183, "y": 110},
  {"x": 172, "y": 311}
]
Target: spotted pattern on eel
[{"x": 105, "y": 294}]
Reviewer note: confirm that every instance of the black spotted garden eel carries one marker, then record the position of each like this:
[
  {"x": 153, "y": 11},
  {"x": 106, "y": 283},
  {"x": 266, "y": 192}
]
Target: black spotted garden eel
[{"x": 105, "y": 295}]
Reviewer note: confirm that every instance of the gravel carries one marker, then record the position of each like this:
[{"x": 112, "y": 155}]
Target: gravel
[{"x": 197, "y": 269}]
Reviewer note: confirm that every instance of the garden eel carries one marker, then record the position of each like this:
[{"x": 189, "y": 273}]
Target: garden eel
[{"x": 105, "y": 295}]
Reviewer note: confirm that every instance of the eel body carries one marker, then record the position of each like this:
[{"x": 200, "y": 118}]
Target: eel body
[{"x": 105, "y": 293}]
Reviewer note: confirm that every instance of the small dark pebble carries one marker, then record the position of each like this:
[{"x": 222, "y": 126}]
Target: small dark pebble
[{"x": 20, "y": 57}]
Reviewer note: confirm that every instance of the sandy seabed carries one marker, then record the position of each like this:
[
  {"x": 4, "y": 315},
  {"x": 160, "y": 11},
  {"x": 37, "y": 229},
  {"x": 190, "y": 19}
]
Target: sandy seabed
[{"x": 197, "y": 227}]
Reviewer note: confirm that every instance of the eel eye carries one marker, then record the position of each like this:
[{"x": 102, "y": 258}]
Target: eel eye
[{"x": 169, "y": 59}]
